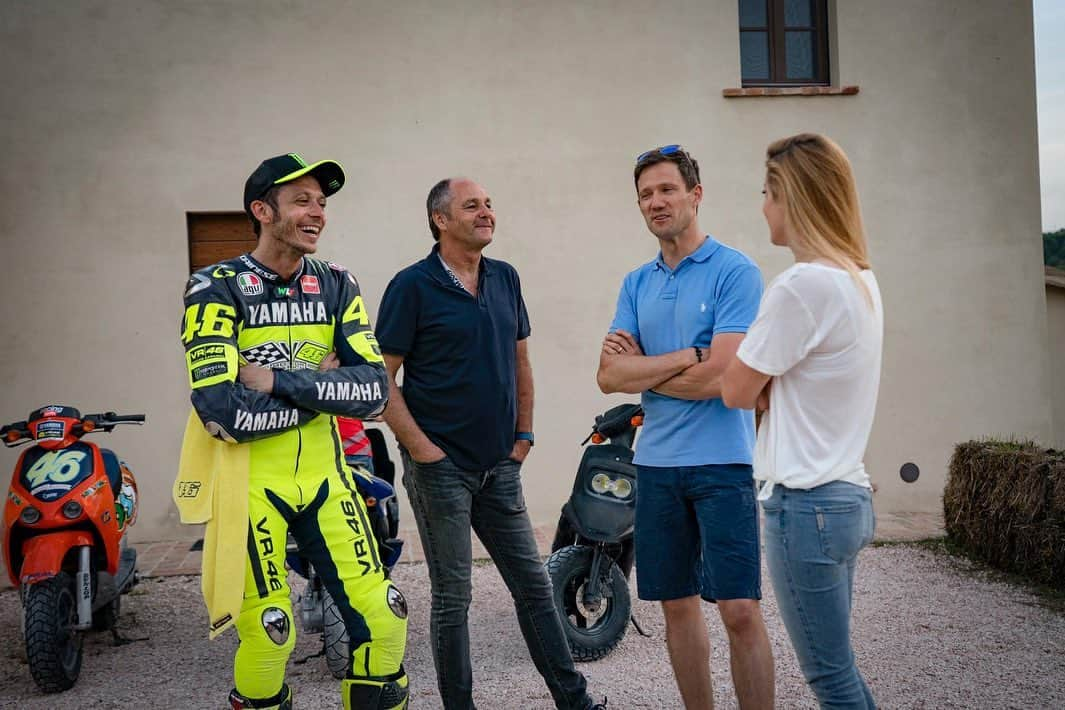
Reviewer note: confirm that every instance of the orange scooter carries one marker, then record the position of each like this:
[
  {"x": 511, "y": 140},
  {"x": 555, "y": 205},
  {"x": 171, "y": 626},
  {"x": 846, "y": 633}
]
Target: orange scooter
[{"x": 68, "y": 508}]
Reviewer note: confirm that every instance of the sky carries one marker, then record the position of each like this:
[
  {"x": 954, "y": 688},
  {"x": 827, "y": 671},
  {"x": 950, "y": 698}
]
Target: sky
[{"x": 1050, "y": 95}]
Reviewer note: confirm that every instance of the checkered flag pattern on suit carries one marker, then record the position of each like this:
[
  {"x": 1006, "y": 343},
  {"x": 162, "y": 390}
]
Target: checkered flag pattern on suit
[{"x": 265, "y": 354}]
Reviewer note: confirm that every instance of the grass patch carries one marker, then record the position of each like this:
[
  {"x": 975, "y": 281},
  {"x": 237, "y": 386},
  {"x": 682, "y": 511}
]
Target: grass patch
[{"x": 1009, "y": 446}]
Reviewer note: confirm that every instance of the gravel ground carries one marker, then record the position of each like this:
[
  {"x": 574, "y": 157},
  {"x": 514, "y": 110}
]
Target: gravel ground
[{"x": 930, "y": 632}]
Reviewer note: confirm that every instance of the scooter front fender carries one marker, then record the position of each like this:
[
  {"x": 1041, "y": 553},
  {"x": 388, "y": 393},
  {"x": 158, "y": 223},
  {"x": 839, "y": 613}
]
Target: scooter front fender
[{"x": 43, "y": 554}]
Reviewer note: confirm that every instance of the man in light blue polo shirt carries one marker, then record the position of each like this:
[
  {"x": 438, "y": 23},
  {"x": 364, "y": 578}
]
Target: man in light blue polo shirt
[{"x": 679, "y": 321}]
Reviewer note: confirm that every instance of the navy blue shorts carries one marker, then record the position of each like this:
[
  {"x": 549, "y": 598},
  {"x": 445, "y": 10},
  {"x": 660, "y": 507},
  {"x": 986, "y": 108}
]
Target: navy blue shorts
[{"x": 697, "y": 533}]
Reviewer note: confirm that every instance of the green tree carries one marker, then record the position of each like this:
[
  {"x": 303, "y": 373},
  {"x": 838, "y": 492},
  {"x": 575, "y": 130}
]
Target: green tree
[{"x": 1054, "y": 248}]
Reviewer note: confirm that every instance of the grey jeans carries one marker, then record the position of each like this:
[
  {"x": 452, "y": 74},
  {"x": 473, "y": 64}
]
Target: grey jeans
[{"x": 447, "y": 501}]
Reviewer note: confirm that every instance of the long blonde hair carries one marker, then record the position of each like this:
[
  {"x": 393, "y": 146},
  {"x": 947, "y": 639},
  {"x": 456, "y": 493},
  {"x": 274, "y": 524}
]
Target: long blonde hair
[{"x": 813, "y": 178}]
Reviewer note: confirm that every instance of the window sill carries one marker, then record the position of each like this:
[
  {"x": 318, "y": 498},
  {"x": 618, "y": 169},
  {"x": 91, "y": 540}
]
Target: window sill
[{"x": 789, "y": 91}]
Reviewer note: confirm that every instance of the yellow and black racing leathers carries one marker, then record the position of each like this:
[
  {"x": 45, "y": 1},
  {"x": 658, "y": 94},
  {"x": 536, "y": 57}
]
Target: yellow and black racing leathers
[{"x": 239, "y": 312}]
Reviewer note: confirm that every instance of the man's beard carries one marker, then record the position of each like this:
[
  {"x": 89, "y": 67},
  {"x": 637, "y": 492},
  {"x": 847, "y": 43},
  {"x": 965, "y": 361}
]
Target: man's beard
[{"x": 289, "y": 234}]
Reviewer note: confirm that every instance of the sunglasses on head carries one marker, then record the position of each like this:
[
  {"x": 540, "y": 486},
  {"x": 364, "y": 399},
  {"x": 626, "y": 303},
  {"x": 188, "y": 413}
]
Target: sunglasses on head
[{"x": 662, "y": 149}]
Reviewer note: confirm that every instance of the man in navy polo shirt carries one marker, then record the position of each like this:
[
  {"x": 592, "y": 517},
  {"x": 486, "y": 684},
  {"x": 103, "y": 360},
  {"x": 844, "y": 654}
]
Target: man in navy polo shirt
[
  {"x": 679, "y": 321},
  {"x": 456, "y": 323}
]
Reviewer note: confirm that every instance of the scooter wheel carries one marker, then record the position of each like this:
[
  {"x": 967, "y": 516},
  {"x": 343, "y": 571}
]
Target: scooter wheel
[
  {"x": 53, "y": 645},
  {"x": 565, "y": 534},
  {"x": 335, "y": 638},
  {"x": 591, "y": 633}
]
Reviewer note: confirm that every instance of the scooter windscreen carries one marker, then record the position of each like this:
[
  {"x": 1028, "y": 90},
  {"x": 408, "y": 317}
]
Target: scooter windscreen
[{"x": 51, "y": 474}]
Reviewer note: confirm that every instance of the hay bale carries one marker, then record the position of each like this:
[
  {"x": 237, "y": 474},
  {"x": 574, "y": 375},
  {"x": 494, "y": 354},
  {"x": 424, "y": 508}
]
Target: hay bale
[{"x": 1005, "y": 503}]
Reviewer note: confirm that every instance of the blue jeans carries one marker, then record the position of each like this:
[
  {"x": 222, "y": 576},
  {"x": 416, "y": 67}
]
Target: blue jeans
[
  {"x": 447, "y": 501},
  {"x": 812, "y": 542}
]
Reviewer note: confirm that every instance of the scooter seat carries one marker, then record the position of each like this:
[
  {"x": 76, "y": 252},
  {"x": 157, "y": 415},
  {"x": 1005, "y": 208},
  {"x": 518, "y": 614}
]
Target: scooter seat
[{"x": 113, "y": 469}]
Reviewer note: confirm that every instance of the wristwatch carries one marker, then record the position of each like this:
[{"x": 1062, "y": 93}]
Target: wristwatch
[{"x": 525, "y": 436}]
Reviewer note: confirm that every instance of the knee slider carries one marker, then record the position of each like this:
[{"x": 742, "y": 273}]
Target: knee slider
[
  {"x": 277, "y": 625},
  {"x": 281, "y": 701},
  {"x": 376, "y": 693},
  {"x": 270, "y": 624},
  {"x": 396, "y": 602}
]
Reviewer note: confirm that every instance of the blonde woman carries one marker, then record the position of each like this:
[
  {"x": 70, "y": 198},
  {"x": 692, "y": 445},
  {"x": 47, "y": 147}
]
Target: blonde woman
[{"x": 812, "y": 357}]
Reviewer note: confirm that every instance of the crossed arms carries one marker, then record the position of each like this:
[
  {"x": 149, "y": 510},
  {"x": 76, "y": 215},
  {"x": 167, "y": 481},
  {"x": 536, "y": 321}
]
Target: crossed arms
[{"x": 623, "y": 367}]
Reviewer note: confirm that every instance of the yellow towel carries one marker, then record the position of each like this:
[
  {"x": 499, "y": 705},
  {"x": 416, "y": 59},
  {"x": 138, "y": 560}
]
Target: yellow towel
[{"x": 212, "y": 488}]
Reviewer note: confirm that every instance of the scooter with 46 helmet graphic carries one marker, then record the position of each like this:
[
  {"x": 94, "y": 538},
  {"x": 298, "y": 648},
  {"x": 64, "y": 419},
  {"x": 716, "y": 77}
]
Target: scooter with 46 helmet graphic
[{"x": 68, "y": 508}]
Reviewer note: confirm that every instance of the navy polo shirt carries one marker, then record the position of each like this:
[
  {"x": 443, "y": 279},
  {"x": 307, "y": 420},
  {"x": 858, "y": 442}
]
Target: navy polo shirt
[{"x": 459, "y": 355}]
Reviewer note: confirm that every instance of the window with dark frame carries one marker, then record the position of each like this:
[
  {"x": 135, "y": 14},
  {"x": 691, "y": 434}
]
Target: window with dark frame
[{"x": 784, "y": 42}]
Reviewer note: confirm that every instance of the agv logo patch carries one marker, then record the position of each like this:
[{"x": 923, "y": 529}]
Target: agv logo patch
[{"x": 250, "y": 284}]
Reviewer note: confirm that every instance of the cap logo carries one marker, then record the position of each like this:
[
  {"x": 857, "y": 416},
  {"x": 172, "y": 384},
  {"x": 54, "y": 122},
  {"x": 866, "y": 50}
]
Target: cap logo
[{"x": 298, "y": 159}]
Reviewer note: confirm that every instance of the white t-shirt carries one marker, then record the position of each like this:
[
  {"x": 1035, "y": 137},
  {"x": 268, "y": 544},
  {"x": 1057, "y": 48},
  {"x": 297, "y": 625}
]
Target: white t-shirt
[{"x": 818, "y": 337}]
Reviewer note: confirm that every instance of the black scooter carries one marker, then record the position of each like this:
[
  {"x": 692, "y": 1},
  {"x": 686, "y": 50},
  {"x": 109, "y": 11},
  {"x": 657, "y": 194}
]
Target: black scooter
[{"x": 592, "y": 553}]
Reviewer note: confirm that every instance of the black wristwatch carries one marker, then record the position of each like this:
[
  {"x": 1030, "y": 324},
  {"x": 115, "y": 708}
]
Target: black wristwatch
[{"x": 525, "y": 436}]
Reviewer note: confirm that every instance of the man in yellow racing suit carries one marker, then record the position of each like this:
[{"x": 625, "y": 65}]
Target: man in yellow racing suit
[{"x": 277, "y": 343}]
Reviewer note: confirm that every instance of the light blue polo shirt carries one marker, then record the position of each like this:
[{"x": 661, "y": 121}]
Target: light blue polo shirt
[{"x": 714, "y": 290}]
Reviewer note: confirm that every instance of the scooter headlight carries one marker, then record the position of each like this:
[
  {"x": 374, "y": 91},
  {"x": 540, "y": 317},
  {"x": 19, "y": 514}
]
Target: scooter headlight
[
  {"x": 72, "y": 510},
  {"x": 29, "y": 515},
  {"x": 602, "y": 484},
  {"x": 618, "y": 487}
]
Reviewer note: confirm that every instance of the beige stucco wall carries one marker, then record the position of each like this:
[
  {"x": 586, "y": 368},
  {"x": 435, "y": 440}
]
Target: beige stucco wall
[
  {"x": 118, "y": 117},
  {"x": 1055, "y": 382}
]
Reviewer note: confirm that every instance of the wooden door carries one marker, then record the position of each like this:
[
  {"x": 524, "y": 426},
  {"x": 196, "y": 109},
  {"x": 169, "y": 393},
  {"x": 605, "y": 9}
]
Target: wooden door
[{"x": 217, "y": 236}]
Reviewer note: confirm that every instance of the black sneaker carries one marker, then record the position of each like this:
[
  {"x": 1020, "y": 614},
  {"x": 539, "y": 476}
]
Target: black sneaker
[{"x": 598, "y": 706}]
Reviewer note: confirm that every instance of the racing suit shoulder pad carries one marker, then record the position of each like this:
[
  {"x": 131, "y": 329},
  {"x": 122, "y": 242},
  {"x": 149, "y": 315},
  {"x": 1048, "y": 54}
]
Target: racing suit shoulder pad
[{"x": 212, "y": 280}]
